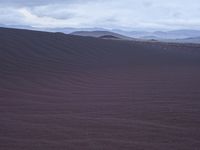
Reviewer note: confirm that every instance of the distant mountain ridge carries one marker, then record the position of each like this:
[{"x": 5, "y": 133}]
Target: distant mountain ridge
[
  {"x": 108, "y": 37},
  {"x": 101, "y": 34},
  {"x": 177, "y": 36},
  {"x": 189, "y": 40},
  {"x": 174, "y": 34},
  {"x": 180, "y": 36}
]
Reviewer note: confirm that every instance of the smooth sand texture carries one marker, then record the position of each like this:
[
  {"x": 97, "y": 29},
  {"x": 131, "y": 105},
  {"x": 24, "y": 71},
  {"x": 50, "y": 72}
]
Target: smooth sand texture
[{"x": 64, "y": 92}]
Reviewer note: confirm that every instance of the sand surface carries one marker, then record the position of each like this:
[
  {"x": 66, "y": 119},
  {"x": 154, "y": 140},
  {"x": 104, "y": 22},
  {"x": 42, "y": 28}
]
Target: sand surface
[{"x": 64, "y": 92}]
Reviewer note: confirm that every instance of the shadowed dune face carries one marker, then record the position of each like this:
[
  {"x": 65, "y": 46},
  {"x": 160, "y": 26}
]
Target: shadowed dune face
[{"x": 67, "y": 92}]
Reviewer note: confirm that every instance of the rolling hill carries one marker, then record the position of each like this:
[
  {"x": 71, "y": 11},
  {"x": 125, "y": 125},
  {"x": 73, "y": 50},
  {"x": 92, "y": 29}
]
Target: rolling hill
[{"x": 101, "y": 34}]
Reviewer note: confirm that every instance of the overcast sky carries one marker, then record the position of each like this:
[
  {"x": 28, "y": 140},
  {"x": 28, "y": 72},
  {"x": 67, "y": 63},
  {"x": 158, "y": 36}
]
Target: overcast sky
[{"x": 111, "y": 14}]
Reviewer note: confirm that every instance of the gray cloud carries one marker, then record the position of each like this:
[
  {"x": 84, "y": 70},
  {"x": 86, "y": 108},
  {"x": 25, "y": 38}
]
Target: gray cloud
[
  {"x": 35, "y": 2},
  {"x": 125, "y": 14}
]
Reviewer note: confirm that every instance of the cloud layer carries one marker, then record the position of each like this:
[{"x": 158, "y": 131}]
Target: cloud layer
[{"x": 121, "y": 14}]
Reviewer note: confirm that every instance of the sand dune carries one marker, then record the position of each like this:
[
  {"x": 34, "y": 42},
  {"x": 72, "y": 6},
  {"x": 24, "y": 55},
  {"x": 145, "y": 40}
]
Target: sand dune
[{"x": 61, "y": 92}]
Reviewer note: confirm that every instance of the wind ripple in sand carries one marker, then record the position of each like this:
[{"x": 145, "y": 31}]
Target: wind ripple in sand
[{"x": 67, "y": 92}]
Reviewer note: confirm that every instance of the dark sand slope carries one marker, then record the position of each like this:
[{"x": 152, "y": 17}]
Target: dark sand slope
[{"x": 64, "y": 92}]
